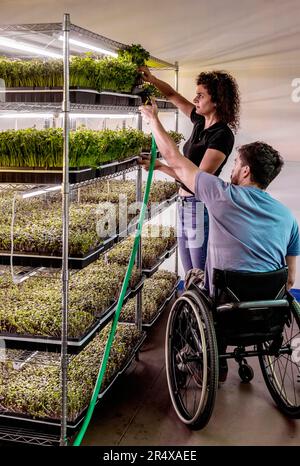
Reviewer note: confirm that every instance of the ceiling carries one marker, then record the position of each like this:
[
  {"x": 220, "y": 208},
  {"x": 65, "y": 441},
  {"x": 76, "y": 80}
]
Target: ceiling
[{"x": 192, "y": 32}]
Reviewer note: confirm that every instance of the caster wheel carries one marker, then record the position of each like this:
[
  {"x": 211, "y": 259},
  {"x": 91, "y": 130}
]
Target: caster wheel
[{"x": 246, "y": 373}]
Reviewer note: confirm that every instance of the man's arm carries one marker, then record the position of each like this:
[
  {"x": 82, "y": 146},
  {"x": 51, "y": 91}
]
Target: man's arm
[
  {"x": 162, "y": 167},
  {"x": 291, "y": 263},
  {"x": 184, "y": 170}
]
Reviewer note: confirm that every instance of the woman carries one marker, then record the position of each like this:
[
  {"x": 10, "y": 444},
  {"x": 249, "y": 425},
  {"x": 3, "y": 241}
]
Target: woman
[{"x": 215, "y": 116}]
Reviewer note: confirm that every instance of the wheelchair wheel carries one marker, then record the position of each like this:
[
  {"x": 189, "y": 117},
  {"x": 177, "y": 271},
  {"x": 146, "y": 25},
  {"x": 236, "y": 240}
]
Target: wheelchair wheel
[
  {"x": 246, "y": 373},
  {"x": 281, "y": 371},
  {"x": 191, "y": 360}
]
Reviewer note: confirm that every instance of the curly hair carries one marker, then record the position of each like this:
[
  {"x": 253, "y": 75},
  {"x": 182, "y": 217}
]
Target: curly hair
[
  {"x": 224, "y": 92},
  {"x": 265, "y": 163}
]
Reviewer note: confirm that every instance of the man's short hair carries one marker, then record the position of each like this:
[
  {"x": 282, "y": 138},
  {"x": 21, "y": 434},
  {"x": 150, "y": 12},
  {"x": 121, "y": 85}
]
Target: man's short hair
[{"x": 265, "y": 163}]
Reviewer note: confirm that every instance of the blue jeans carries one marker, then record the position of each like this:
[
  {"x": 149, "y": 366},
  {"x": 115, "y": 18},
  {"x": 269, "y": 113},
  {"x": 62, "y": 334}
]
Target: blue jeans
[{"x": 192, "y": 233}]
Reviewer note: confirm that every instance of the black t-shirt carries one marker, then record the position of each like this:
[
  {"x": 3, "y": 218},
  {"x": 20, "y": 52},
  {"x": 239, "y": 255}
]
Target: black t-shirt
[{"x": 218, "y": 136}]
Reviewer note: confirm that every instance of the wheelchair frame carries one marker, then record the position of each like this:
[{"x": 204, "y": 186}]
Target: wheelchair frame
[{"x": 192, "y": 358}]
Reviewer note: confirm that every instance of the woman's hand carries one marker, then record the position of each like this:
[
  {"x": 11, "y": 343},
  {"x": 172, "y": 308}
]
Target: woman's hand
[
  {"x": 146, "y": 74},
  {"x": 145, "y": 161},
  {"x": 149, "y": 112}
]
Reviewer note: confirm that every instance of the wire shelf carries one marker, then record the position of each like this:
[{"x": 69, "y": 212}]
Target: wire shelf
[{"x": 45, "y": 33}]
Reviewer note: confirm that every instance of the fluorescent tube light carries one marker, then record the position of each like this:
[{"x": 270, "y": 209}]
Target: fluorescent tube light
[
  {"x": 90, "y": 47},
  {"x": 72, "y": 115},
  {"x": 99, "y": 115},
  {"x": 26, "y": 115},
  {"x": 13, "y": 44},
  {"x": 38, "y": 192}
]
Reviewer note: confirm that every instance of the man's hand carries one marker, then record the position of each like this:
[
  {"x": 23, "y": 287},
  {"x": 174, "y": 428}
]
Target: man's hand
[
  {"x": 146, "y": 74},
  {"x": 145, "y": 161},
  {"x": 149, "y": 112}
]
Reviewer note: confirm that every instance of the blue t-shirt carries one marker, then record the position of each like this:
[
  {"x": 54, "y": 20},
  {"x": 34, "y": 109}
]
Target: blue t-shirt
[{"x": 248, "y": 229}]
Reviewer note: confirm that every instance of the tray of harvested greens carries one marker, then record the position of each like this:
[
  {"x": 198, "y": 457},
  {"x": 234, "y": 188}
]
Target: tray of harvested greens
[
  {"x": 30, "y": 313},
  {"x": 30, "y": 381}
]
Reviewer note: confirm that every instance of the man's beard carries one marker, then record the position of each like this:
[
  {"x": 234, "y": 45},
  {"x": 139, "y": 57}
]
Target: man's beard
[{"x": 234, "y": 179}]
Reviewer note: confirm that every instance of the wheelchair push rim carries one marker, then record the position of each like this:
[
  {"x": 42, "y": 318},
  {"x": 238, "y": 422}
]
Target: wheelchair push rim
[
  {"x": 191, "y": 360},
  {"x": 281, "y": 372}
]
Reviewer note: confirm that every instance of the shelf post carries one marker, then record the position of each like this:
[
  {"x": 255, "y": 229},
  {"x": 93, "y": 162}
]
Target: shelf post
[
  {"x": 176, "y": 88},
  {"x": 65, "y": 238}
]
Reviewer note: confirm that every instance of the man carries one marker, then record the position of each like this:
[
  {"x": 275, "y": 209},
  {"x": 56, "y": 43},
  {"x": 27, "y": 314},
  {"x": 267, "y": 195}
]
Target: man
[{"x": 249, "y": 230}]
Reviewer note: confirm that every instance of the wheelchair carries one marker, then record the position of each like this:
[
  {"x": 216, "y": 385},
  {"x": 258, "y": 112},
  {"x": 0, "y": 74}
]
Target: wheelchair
[{"x": 248, "y": 309}]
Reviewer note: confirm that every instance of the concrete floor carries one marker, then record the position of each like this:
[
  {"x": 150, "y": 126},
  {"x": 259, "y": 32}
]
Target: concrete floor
[{"x": 138, "y": 410}]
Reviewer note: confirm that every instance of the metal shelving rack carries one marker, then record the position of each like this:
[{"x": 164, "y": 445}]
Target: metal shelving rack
[{"x": 48, "y": 37}]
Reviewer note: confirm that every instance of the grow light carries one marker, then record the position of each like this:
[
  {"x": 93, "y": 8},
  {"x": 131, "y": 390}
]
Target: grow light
[
  {"x": 101, "y": 115},
  {"x": 90, "y": 47},
  {"x": 26, "y": 115},
  {"x": 38, "y": 192},
  {"x": 13, "y": 44}
]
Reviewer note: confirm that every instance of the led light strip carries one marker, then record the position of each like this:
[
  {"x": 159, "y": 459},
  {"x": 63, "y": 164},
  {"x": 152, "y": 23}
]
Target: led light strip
[
  {"x": 13, "y": 44},
  {"x": 72, "y": 115},
  {"x": 90, "y": 47}
]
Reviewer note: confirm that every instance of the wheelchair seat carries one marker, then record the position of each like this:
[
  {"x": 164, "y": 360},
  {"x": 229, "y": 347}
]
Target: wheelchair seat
[{"x": 250, "y": 307}]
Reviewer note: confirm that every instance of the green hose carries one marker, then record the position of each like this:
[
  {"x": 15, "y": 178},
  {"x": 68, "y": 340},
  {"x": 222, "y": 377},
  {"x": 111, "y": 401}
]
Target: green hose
[{"x": 109, "y": 342}]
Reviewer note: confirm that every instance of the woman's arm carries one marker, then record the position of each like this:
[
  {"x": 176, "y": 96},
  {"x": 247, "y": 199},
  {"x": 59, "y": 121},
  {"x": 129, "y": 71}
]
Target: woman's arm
[
  {"x": 212, "y": 160},
  {"x": 184, "y": 105}
]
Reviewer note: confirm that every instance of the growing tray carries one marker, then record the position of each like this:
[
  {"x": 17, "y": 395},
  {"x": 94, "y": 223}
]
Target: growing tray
[
  {"x": 43, "y": 260},
  {"x": 75, "y": 345},
  {"x": 162, "y": 306},
  {"x": 79, "y": 262},
  {"x": 163, "y": 103},
  {"x": 162, "y": 206},
  {"x": 160, "y": 260},
  {"x": 77, "y": 96},
  {"x": 55, "y": 175},
  {"x": 44, "y": 426}
]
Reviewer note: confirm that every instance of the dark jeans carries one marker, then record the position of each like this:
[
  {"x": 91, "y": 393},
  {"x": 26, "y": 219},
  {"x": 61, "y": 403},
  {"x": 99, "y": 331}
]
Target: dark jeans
[{"x": 192, "y": 233}]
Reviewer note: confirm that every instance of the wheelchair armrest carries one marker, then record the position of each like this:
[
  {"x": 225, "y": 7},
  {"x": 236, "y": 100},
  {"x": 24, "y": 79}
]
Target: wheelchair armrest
[{"x": 266, "y": 304}]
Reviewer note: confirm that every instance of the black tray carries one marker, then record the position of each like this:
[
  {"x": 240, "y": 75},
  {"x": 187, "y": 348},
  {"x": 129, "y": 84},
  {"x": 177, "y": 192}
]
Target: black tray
[
  {"x": 116, "y": 167},
  {"x": 50, "y": 95},
  {"x": 160, "y": 260},
  {"x": 53, "y": 425},
  {"x": 39, "y": 260},
  {"x": 41, "y": 176},
  {"x": 117, "y": 99},
  {"x": 75, "y": 345},
  {"x": 54, "y": 176},
  {"x": 80, "y": 262},
  {"x": 162, "y": 306},
  {"x": 77, "y": 96}
]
